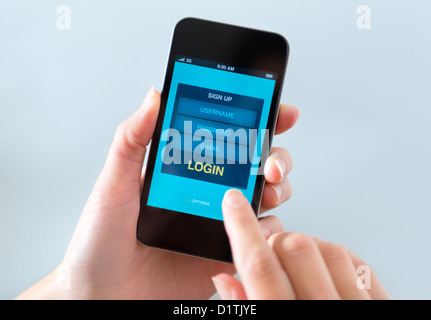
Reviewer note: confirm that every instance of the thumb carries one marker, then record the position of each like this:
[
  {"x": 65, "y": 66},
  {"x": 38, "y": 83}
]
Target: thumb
[
  {"x": 126, "y": 155},
  {"x": 110, "y": 214}
]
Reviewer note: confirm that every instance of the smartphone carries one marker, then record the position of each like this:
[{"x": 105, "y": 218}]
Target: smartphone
[{"x": 219, "y": 106}]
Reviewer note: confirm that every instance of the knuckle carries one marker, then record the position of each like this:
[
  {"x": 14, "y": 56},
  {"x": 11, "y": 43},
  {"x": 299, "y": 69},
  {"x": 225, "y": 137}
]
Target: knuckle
[
  {"x": 127, "y": 136},
  {"x": 240, "y": 220},
  {"x": 333, "y": 253},
  {"x": 259, "y": 265},
  {"x": 121, "y": 129},
  {"x": 296, "y": 243},
  {"x": 275, "y": 239}
]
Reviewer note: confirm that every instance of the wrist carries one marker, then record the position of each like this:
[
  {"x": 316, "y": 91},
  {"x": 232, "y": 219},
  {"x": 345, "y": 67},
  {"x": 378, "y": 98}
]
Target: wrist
[{"x": 49, "y": 288}]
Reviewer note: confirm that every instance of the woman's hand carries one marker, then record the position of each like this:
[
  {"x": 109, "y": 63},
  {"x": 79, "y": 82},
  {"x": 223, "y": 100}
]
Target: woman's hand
[
  {"x": 104, "y": 260},
  {"x": 288, "y": 265}
]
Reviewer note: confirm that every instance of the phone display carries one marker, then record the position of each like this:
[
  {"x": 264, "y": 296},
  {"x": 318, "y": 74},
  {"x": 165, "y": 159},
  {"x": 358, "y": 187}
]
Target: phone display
[
  {"x": 224, "y": 103},
  {"x": 219, "y": 106}
]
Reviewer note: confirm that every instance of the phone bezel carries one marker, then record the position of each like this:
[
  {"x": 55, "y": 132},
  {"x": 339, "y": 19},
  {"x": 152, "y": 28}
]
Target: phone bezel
[{"x": 233, "y": 45}]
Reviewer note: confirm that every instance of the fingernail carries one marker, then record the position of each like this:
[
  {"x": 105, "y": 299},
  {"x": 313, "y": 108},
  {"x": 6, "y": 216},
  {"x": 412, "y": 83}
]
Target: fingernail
[
  {"x": 223, "y": 289},
  {"x": 277, "y": 189},
  {"x": 148, "y": 98},
  {"x": 234, "y": 198},
  {"x": 280, "y": 164}
]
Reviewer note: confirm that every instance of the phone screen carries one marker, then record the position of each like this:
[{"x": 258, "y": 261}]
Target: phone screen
[{"x": 212, "y": 135}]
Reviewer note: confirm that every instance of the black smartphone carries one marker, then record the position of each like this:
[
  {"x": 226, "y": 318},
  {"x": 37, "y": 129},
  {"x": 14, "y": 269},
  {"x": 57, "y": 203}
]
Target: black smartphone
[{"x": 219, "y": 106}]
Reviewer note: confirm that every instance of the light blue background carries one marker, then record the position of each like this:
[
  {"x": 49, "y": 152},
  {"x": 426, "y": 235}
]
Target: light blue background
[
  {"x": 361, "y": 150},
  {"x": 177, "y": 193}
]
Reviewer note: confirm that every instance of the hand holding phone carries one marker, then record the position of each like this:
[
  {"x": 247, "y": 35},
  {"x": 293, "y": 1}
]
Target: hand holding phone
[
  {"x": 104, "y": 260},
  {"x": 218, "y": 112}
]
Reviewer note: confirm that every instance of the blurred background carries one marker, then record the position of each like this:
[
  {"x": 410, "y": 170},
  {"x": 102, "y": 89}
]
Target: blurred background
[{"x": 361, "y": 150}]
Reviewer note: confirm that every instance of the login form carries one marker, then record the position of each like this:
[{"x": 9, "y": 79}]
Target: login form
[
  {"x": 215, "y": 118},
  {"x": 225, "y": 119}
]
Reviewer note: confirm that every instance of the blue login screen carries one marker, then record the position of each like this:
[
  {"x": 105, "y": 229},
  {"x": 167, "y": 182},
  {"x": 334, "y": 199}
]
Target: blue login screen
[{"x": 211, "y": 137}]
